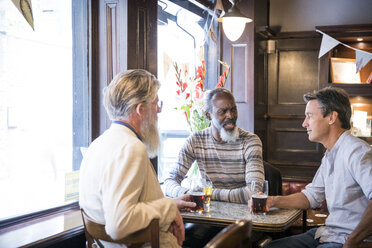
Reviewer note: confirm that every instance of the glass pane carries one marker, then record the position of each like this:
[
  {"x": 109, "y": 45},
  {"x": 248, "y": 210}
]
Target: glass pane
[
  {"x": 35, "y": 106},
  {"x": 181, "y": 39}
]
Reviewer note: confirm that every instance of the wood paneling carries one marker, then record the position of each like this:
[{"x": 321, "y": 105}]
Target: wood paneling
[
  {"x": 142, "y": 35},
  {"x": 292, "y": 72},
  {"x": 109, "y": 33},
  {"x": 239, "y": 77},
  {"x": 111, "y": 43},
  {"x": 289, "y": 141},
  {"x": 240, "y": 55}
]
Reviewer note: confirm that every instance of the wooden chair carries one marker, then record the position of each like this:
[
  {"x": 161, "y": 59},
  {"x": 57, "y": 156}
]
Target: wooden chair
[
  {"x": 95, "y": 233},
  {"x": 236, "y": 235}
]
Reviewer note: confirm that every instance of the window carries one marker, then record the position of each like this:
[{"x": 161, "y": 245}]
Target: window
[
  {"x": 183, "y": 30},
  {"x": 37, "y": 108}
]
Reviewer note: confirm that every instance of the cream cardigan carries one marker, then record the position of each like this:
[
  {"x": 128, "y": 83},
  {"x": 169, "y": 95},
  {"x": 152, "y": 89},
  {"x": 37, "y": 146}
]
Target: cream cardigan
[{"x": 119, "y": 187}]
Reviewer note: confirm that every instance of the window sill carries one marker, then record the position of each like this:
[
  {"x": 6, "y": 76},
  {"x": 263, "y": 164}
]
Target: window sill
[{"x": 49, "y": 229}]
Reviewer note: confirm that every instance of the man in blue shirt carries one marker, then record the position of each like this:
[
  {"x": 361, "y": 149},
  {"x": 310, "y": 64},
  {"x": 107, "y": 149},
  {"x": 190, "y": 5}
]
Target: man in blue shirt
[{"x": 344, "y": 178}]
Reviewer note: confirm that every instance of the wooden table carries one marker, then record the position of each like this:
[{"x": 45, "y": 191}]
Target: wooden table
[{"x": 225, "y": 213}]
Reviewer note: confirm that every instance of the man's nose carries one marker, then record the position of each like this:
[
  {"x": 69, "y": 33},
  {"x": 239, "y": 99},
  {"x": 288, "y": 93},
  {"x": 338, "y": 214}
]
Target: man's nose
[
  {"x": 159, "y": 106},
  {"x": 230, "y": 114},
  {"x": 304, "y": 123}
]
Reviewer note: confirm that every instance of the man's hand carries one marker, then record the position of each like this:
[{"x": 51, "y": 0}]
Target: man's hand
[
  {"x": 184, "y": 202},
  {"x": 267, "y": 207},
  {"x": 269, "y": 202},
  {"x": 250, "y": 205},
  {"x": 177, "y": 228}
]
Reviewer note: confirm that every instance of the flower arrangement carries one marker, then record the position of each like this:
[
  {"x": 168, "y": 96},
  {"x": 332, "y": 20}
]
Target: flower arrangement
[{"x": 191, "y": 92}]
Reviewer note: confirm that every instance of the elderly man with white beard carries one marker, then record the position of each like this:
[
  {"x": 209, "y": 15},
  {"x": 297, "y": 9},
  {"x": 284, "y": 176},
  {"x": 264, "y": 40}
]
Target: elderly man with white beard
[
  {"x": 118, "y": 185},
  {"x": 230, "y": 156}
]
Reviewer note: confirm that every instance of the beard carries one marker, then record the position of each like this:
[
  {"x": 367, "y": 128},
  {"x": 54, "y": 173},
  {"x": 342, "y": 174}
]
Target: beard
[
  {"x": 150, "y": 134},
  {"x": 229, "y": 136}
]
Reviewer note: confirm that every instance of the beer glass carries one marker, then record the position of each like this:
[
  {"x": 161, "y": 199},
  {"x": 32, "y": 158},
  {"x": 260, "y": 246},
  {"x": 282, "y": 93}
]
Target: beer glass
[
  {"x": 259, "y": 197},
  {"x": 208, "y": 189},
  {"x": 197, "y": 194}
]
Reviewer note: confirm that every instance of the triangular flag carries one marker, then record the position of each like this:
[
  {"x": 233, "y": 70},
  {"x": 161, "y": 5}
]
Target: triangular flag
[
  {"x": 362, "y": 58},
  {"x": 219, "y": 6},
  {"x": 212, "y": 34},
  {"x": 327, "y": 44},
  {"x": 25, "y": 7}
]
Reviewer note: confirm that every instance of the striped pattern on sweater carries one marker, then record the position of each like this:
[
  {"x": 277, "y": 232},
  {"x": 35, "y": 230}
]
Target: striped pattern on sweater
[{"x": 231, "y": 166}]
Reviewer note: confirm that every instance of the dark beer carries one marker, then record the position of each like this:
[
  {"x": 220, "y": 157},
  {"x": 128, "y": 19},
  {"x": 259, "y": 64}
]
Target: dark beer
[
  {"x": 259, "y": 204},
  {"x": 198, "y": 198}
]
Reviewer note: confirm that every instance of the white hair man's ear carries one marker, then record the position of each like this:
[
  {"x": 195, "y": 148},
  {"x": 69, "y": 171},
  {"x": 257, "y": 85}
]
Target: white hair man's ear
[{"x": 140, "y": 109}]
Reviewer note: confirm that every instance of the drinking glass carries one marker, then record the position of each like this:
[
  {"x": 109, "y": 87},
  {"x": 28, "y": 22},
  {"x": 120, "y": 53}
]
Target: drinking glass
[
  {"x": 259, "y": 197},
  {"x": 197, "y": 194},
  {"x": 208, "y": 189}
]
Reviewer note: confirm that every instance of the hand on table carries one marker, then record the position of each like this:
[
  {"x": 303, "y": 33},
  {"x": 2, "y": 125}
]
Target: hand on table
[
  {"x": 184, "y": 202},
  {"x": 177, "y": 228},
  {"x": 250, "y": 205},
  {"x": 269, "y": 202}
]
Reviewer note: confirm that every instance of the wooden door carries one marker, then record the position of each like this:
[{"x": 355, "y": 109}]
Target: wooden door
[
  {"x": 142, "y": 35},
  {"x": 292, "y": 72}
]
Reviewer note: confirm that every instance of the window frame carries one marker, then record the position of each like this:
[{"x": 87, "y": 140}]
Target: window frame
[
  {"x": 204, "y": 9},
  {"x": 82, "y": 88}
]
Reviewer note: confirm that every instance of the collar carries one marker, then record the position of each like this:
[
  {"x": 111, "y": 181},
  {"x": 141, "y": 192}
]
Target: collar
[
  {"x": 128, "y": 126},
  {"x": 332, "y": 153}
]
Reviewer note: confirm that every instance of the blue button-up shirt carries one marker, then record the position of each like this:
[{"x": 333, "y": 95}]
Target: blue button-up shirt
[{"x": 344, "y": 179}]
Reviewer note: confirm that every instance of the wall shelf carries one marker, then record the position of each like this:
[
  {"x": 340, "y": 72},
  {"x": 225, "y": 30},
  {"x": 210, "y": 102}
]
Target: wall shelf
[{"x": 355, "y": 89}]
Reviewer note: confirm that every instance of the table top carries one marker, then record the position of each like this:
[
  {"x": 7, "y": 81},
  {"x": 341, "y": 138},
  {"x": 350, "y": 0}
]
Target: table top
[{"x": 225, "y": 213}]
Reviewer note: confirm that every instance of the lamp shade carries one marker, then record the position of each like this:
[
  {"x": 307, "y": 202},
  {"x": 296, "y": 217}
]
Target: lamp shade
[
  {"x": 233, "y": 27},
  {"x": 233, "y": 23}
]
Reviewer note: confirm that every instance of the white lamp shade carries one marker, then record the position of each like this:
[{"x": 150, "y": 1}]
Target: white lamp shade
[{"x": 234, "y": 26}]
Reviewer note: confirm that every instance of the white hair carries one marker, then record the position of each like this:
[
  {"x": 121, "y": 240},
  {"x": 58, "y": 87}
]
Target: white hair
[
  {"x": 127, "y": 90},
  {"x": 229, "y": 136}
]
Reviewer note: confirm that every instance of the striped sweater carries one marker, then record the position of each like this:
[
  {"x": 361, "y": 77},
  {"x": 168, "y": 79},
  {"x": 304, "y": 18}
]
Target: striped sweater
[{"x": 231, "y": 166}]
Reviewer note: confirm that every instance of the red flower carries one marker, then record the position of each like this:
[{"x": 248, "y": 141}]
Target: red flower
[
  {"x": 178, "y": 92},
  {"x": 199, "y": 72},
  {"x": 184, "y": 86},
  {"x": 197, "y": 95},
  {"x": 187, "y": 95}
]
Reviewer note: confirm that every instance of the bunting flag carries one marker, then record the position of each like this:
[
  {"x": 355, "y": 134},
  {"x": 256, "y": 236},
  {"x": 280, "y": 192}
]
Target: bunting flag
[
  {"x": 327, "y": 44},
  {"x": 25, "y": 7},
  {"x": 362, "y": 57},
  {"x": 219, "y": 6},
  {"x": 212, "y": 34}
]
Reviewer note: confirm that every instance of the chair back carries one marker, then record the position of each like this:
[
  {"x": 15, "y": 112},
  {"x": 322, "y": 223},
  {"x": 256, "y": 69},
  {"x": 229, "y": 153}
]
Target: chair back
[
  {"x": 274, "y": 177},
  {"x": 236, "y": 235},
  {"x": 95, "y": 233}
]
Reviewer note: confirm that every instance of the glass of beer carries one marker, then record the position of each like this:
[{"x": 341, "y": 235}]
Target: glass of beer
[
  {"x": 197, "y": 194},
  {"x": 259, "y": 197},
  {"x": 208, "y": 189}
]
